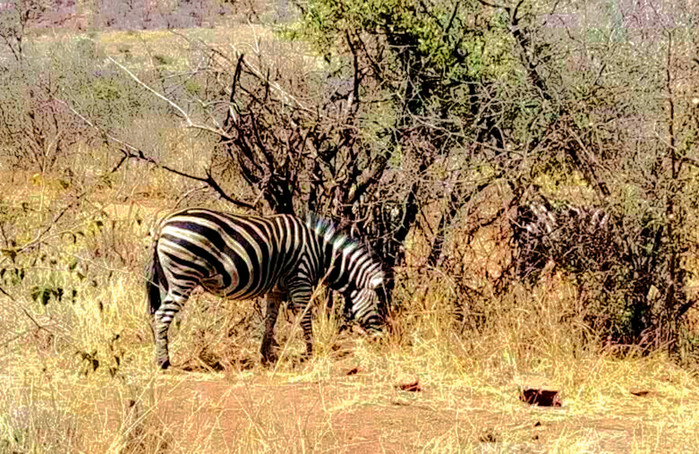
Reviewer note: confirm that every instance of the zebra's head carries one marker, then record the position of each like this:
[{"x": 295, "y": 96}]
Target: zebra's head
[
  {"x": 351, "y": 270},
  {"x": 364, "y": 280}
]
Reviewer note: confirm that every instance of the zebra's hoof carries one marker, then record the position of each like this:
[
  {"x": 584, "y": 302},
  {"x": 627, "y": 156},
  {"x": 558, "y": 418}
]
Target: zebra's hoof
[
  {"x": 306, "y": 357},
  {"x": 164, "y": 364},
  {"x": 268, "y": 359}
]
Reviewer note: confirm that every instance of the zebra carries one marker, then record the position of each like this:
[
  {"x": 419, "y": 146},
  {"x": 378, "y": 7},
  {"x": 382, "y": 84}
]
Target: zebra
[
  {"x": 578, "y": 238},
  {"x": 240, "y": 257}
]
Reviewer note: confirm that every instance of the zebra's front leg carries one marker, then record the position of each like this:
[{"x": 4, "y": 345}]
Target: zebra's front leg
[
  {"x": 307, "y": 326},
  {"x": 161, "y": 324},
  {"x": 301, "y": 301},
  {"x": 268, "y": 343}
]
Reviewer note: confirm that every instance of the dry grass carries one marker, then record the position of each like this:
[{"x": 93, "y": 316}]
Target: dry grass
[
  {"x": 85, "y": 381},
  {"x": 78, "y": 373}
]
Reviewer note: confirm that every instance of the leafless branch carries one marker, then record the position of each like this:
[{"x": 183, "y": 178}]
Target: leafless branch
[
  {"x": 185, "y": 115},
  {"x": 131, "y": 152}
]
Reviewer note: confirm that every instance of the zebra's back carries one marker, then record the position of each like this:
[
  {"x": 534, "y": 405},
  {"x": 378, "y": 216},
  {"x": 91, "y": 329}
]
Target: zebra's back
[{"x": 229, "y": 255}]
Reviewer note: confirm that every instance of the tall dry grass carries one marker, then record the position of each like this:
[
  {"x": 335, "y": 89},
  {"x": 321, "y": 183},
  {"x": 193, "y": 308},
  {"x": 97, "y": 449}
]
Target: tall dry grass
[{"x": 79, "y": 376}]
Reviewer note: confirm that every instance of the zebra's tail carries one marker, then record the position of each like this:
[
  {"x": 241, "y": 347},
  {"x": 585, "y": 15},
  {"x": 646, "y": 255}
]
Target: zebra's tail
[{"x": 155, "y": 281}]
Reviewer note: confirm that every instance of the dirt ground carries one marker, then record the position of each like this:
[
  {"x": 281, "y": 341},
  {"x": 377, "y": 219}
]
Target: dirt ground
[{"x": 242, "y": 412}]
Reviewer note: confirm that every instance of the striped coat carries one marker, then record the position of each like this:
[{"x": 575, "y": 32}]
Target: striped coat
[{"x": 240, "y": 257}]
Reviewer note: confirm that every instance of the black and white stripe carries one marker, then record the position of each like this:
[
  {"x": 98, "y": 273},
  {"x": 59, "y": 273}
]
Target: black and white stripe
[
  {"x": 239, "y": 257},
  {"x": 577, "y": 238}
]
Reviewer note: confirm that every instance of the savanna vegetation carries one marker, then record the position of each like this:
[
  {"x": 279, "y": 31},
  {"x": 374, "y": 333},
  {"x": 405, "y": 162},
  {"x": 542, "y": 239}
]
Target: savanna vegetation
[{"x": 428, "y": 129}]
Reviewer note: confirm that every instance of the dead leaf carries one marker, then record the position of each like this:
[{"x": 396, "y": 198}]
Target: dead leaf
[
  {"x": 640, "y": 392},
  {"x": 412, "y": 387},
  {"x": 541, "y": 397}
]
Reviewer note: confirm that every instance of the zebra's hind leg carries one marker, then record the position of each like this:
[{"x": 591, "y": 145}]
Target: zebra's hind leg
[
  {"x": 268, "y": 343},
  {"x": 161, "y": 324}
]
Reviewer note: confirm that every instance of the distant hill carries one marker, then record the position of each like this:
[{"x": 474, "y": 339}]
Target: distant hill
[{"x": 123, "y": 14}]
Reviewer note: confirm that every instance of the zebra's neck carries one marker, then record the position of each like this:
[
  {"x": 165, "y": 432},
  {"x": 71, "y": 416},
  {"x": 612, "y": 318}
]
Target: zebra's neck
[{"x": 337, "y": 253}]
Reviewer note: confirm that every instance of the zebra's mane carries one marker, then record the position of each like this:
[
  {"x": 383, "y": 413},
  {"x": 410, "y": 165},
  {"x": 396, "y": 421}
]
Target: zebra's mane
[
  {"x": 327, "y": 230},
  {"x": 345, "y": 244}
]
